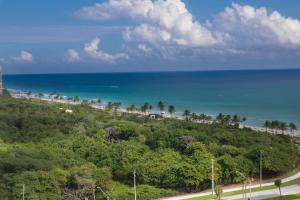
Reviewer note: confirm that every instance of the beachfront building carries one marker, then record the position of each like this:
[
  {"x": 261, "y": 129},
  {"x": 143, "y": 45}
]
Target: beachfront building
[{"x": 1, "y": 84}]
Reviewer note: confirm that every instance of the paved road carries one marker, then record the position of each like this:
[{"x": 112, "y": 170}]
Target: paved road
[
  {"x": 294, "y": 189},
  {"x": 182, "y": 197}
]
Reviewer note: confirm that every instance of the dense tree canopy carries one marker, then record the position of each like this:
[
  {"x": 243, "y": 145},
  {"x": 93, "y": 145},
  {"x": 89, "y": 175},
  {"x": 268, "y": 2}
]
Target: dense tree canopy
[{"x": 59, "y": 155}]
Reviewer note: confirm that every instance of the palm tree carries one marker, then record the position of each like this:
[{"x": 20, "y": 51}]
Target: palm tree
[
  {"x": 131, "y": 108},
  {"x": 292, "y": 127},
  {"x": 99, "y": 101},
  {"x": 282, "y": 127},
  {"x": 236, "y": 119},
  {"x": 40, "y": 95},
  {"x": 161, "y": 106},
  {"x": 145, "y": 107},
  {"x": 109, "y": 106},
  {"x": 278, "y": 183},
  {"x": 29, "y": 93},
  {"x": 220, "y": 117},
  {"x": 244, "y": 119},
  {"x": 194, "y": 116},
  {"x": 267, "y": 125},
  {"x": 116, "y": 106},
  {"x": 150, "y": 107},
  {"x": 186, "y": 114},
  {"x": 76, "y": 99},
  {"x": 227, "y": 119},
  {"x": 171, "y": 110}
]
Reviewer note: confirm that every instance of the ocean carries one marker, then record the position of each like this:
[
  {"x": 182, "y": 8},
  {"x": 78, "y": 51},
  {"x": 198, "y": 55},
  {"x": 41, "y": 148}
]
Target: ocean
[{"x": 258, "y": 95}]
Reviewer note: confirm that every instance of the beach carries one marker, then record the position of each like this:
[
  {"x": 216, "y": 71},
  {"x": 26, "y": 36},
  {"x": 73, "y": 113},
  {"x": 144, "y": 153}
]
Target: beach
[{"x": 101, "y": 106}]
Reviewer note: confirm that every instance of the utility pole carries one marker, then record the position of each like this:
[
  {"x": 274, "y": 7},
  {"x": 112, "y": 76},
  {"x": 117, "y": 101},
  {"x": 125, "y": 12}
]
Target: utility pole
[
  {"x": 260, "y": 168},
  {"x": 23, "y": 192},
  {"x": 134, "y": 184},
  {"x": 212, "y": 178}
]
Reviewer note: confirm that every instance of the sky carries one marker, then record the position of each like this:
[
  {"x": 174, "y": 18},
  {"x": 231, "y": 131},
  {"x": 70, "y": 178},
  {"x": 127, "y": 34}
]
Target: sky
[{"x": 67, "y": 36}]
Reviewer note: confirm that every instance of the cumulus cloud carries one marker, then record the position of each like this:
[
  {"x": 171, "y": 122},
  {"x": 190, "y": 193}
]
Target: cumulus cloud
[
  {"x": 72, "y": 56},
  {"x": 161, "y": 21},
  {"x": 246, "y": 25},
  {"x": 169, "y": 23},
  {"x": 92, "y": 50},
  {"x": 24, "y": 56}
]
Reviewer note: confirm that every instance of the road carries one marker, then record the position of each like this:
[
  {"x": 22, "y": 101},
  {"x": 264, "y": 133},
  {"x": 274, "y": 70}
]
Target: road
[
  {"x": 294, "y": 189},
  {"x": 289, "y": 189}
]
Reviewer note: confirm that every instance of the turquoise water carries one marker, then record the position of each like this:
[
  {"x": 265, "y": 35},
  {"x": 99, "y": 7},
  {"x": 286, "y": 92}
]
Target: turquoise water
[{"x": 256, "y": 94}]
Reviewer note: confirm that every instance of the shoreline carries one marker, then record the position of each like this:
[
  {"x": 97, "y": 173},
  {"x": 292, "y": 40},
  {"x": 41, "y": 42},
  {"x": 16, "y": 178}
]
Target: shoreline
[{"x": 101, "y": 106}]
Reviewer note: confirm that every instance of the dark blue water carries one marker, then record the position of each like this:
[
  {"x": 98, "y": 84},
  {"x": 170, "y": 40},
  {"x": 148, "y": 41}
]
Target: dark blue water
[{"x": 258, "y": 95}]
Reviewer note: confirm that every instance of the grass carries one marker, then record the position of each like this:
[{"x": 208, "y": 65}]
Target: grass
[
  {"x": 287, "y": 197},
  {"x": 289, "y": 183}
]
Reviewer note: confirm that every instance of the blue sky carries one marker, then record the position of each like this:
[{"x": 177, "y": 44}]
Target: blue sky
[{"x": 58, "y": 36}]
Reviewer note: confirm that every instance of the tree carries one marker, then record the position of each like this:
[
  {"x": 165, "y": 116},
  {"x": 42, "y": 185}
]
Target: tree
[
  {"x": 40, "y": 95},
  {"x": 150, "y": 107},
  {"x": 220, "y": 117},
  {"x": 282, "y": 127},
  {"x": 145, "y": 107},
  {"x": 161, "y": 106},
  {"x": 99, "y": 101},
  {"x": 278, "y": 184},
  {"x": 236, "y": 120},
  {"x": 109, "y": 106},
  {"x": 186, "y": 114},
  {"x": 267, "y": 125},
  {"x": 292, "y": 127},
  {"x": 76, "y": 99},
  {"x": 218, "y": 191},
  {"x": 244, "y": 119},
  {"x": 116, "y": 106},
  {"x": 171, "y": 109}
]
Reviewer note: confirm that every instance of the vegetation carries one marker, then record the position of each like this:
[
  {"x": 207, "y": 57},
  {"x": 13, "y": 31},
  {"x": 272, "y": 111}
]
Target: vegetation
[
  {"x": 280, "y": 126},
  {"x": 278, "y": 184},
  {"x": 59, "y": 155}
]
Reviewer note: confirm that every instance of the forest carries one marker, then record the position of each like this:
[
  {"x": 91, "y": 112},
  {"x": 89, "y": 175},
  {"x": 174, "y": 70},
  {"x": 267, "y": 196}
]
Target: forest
[{"x": 52, "y": 154}]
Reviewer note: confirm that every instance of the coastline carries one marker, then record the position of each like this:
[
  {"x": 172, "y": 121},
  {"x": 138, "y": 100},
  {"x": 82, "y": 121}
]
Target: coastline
[{"x": 101, "y": 106}]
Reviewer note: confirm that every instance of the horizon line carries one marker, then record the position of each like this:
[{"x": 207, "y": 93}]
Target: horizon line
[{"x": 165, "y": 71}]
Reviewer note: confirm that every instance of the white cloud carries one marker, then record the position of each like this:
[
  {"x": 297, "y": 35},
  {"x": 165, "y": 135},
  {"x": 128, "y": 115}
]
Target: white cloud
[
  {"x": 169, "y": 23},
  {"x": 249, "y": 26},
  {"x": 24, "y": 56},
  {"x": 72, "y": 56},
  {"x": 92, "y": 50},
  {"x": 144, "y": 48},
  {"x": 161, "y": 21}
]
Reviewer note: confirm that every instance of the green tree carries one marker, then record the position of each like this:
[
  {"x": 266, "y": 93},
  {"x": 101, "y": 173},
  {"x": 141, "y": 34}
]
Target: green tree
[
  {"x": 171, "y": 109},
  {"x": 267, "y": 125},
  {"x": 186, "y": 114},
  {"x": 292, "y": 127},
  {"x": 161, "y": 106},
  {"x": 218, "y": 191},
  {"x": 278, "y": 183}
]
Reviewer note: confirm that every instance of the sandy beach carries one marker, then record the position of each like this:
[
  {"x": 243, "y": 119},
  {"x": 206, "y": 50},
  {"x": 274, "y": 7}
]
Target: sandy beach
[{"x": 101, "y": 106}]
